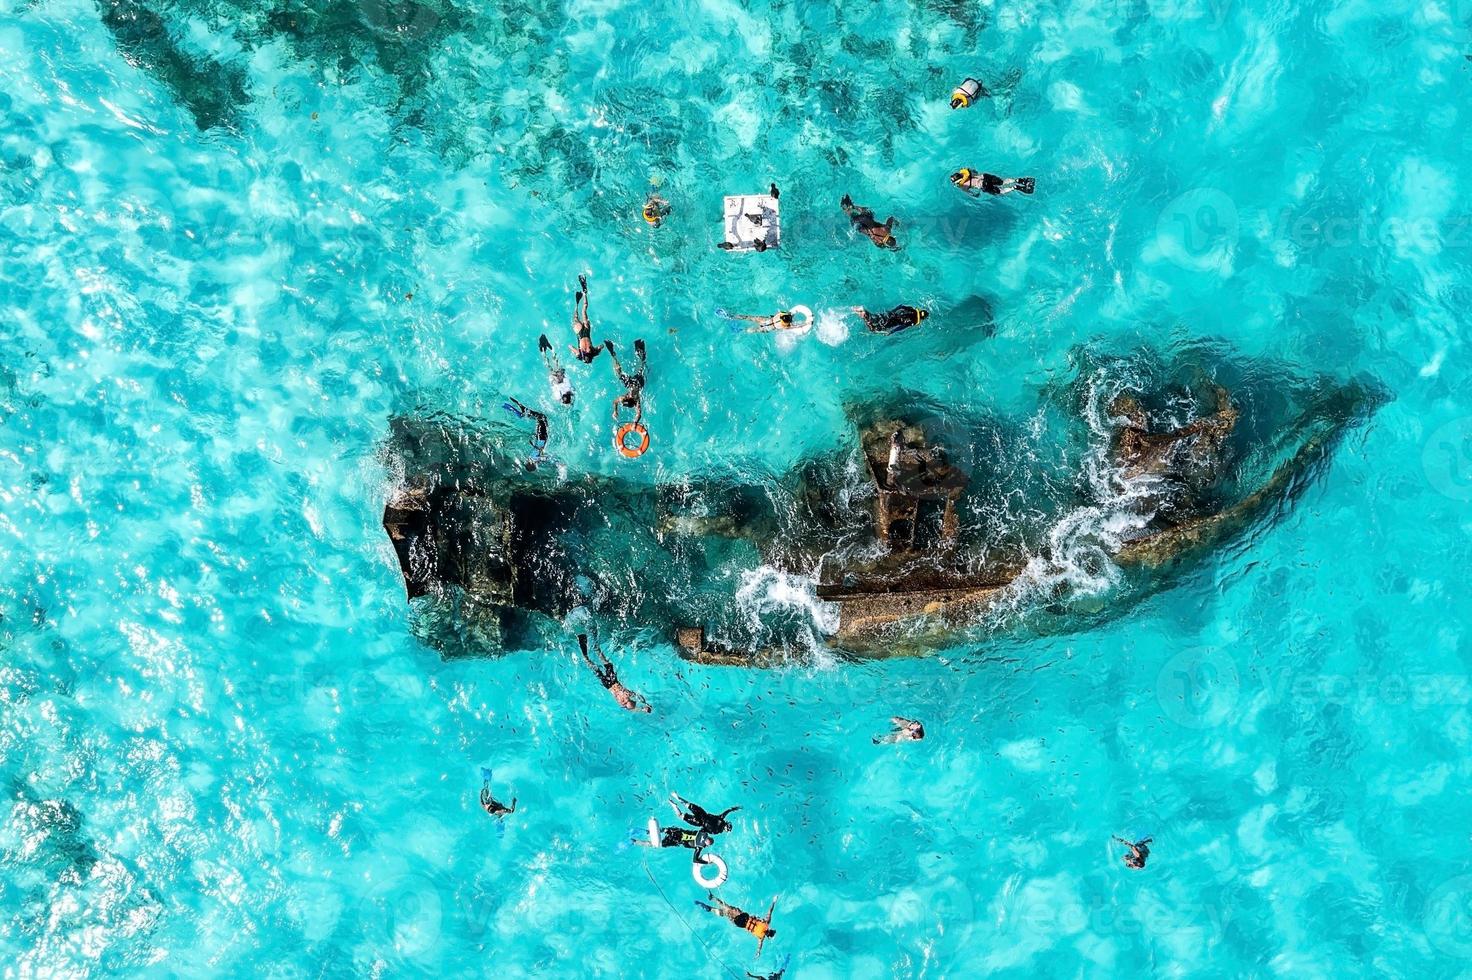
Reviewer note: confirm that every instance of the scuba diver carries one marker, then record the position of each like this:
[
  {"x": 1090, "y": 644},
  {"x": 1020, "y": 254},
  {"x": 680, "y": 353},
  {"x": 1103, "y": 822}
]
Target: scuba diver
[
  {"x": 556, "y": 373},
  {"x": 976, "y": 183},
  {"x": 582, "y": 327},
  {"x": 905, "y": 730},
  {"x": 1139, "y": 852},
  {"x": 608, "y": 676},
  {"x": 897, "y": 319},
  {"x": 696, "y": 840},
  {"x": 488, "y": 802},
  {"x": 697, "y": 816},
  {"x": 656, "y": 209},
  {"x": 633, "y": 383},
  {"x": 761, "y": 928},
  {"x": 882, "y": 235},
  {"x": 539, "y": 438}
]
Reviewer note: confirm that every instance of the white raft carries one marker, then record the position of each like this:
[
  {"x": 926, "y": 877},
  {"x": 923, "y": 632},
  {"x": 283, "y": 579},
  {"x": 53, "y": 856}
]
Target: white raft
[{"x": 752, "y": 218}]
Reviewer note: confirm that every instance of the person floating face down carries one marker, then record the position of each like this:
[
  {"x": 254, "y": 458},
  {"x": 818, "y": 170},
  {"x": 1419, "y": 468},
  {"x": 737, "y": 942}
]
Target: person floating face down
[
  {"x": 582, "y": 327},
  {"x": 608, "y": 677},
  {"x": 781, "y": 320},
  {"x": 892, "y": 322},
  {"x": 656, "y": 209},
  {"x": 882, "y": 235},
  {"x": 1139, "y": 852},
  {"x": 772, "y": 976},
  {"x": 539, "y": 437},
  {"x": 633, "y": 383},
  {"x": 976, "y": 183},
  {"x": 696, "y": 840},
  {"x": 556, "y": 373},
  {"x": 702, "y": 819},
  {"x": 761, "y": 927},
  {"x": 904, "y": 730},
  {"x": 488, "y": 802}
]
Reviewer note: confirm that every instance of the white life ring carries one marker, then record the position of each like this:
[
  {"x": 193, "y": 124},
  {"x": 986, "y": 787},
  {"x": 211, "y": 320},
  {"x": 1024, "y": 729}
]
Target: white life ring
[
  {"x": 707, "y": 860},
  {"x": 653, "y": 832},
  {"x": 807, "y": 315}
]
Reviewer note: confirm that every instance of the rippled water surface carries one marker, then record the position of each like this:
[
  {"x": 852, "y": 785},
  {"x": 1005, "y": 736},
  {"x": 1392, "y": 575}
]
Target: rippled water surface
[{"x": 238, "y": 239}]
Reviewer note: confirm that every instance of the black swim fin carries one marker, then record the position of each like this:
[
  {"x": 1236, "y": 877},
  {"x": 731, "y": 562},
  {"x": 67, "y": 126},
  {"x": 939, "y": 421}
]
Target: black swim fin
[
  {"x": 639, "y": 347},
  {"x": 1025, "y": 184},
  {"x": 543, "y": 344}
]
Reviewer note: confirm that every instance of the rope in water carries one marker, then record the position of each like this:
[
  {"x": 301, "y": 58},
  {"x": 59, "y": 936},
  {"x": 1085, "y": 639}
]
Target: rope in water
[{"x": 708, "y": 951}]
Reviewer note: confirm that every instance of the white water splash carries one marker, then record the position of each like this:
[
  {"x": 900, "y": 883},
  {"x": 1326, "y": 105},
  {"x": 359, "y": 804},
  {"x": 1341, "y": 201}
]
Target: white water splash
[
  {"x": 832, "y": 326},
  {"x": 766, "y": 590}
]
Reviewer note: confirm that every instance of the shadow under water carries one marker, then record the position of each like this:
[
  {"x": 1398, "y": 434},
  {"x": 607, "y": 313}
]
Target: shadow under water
[{"x": 931, "y": 526}]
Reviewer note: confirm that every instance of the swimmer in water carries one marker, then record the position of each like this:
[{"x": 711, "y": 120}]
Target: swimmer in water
[
  {"x": 772, "y": 976},
  {"x": 582, "y": 327},
  {"x": 781, "y": 320},
  {"x": 696, "y": 840},
  {"x": 608, "y": 677},
  {"x": 656, "y": 209},
  {"x": 488, "y": 802},
  {"x": 761, "y": 928},
  {"x": 905, "y": 730},
  {"x": 697, "y": 816},
  {"x": 897, "y": 319},
  {"x": 1139, "y": 852},
  {"x": 556, "y": 373},
  {"x": 633, "y": 383},
  {"x": 538, "y": 440},
  {"x": 976, "y": 183},
  {"x": 882, "y": 235}
]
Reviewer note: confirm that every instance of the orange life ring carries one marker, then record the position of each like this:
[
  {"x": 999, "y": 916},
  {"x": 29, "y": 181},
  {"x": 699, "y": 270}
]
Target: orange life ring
[{"x": 632, "y": 452}]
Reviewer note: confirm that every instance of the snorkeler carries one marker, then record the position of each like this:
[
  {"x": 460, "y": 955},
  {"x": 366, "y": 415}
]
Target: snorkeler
[
  {"x": 556, "y": 373},
  {"x": 772, "y": 976},
  {"x": 697, "y": 816},
  {"x": 582, "y": 327},
  {"x": 863, "y": 219},
  {"x": 781, "y": 320},
  {"x": 897, "y": 319},
  {"x": 608, "y": 677},
  {"x": 976, "y": 183},
  {"x": 488, "y": 802},
  {"x": 633, "y": 383},
  {"x": 539, "y": 438},
  {"x": 905, "y": 730},
  {"x": 1139, "y": 852},
  {"x": 696, "y": 840},
  {"x": 656, "y": 209},
  {"x": 761, "y": 928}
]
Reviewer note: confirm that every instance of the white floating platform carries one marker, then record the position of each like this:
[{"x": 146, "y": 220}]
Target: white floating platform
[{"x": 752, "y": 218}]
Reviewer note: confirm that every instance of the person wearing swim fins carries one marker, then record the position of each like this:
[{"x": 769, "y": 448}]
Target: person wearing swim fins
[
  {"x": 882, "y": 235},
  {"x": 1139, "y": 853},
  {"x": 781, "y": 320},
  {"x": 539, "y": 438},
  {"x": 608, "y": 676},
  {"x": 897, "y": 319},
  {"x": 905, "y": 730},
  {"x": 697, "y": 816},
  {"x": 488, "y": 802},
  {"x": 761, "y": 927},
  {"x": 556, "y": 373},
  {"x": 976, "y": 183},
  {"x": 582, "y": 327},
  {"x": 633, "y": 383}
]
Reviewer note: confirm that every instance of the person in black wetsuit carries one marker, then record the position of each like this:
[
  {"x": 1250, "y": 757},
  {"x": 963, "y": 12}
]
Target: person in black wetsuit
[
  {"x": 976, "y": 183},
  {"x": 897, "y": 319},
  {"x": 633, "y": 383},
  {"x": 556, "y": 373},
  {"x": 881, "y": 234},
  {"x": 698, "y": 816},
  {"x": 493, "y": 806},
  {"x": 1139, "y": 853},
  {"x": 539, "y": 437}
]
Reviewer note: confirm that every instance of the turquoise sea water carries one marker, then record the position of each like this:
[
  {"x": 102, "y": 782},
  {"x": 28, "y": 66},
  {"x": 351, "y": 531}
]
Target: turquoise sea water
[{"x": 238, "y": 239}]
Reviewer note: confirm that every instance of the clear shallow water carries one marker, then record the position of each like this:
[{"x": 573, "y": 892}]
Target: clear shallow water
[{"x": 225, "y": 752}]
